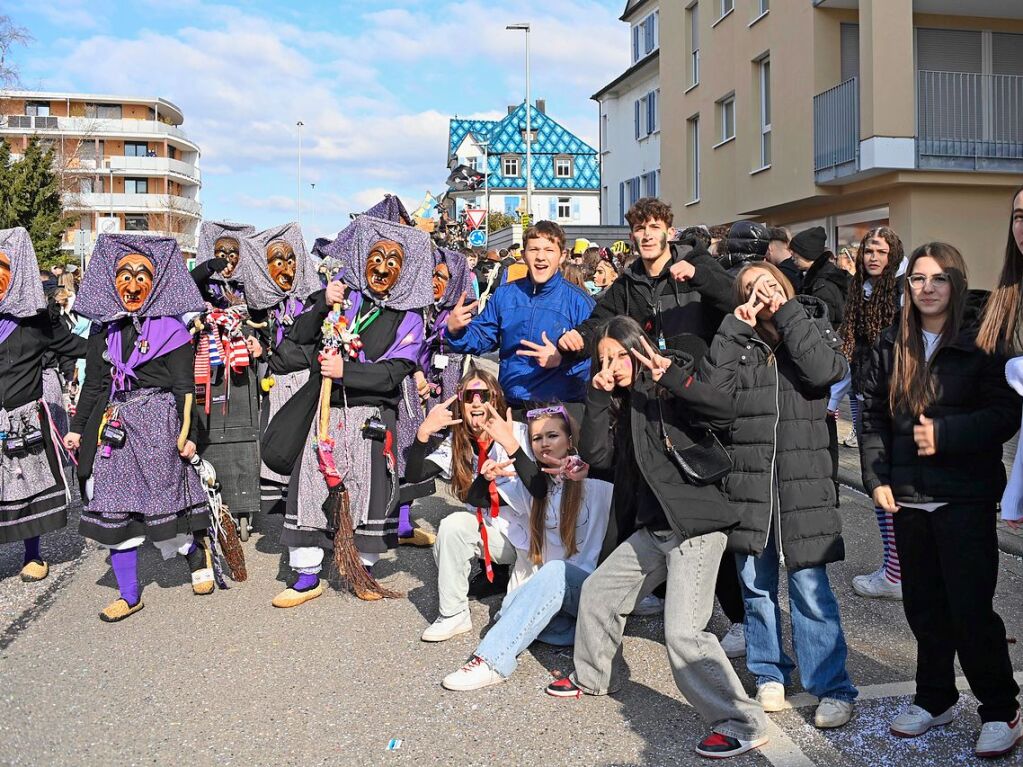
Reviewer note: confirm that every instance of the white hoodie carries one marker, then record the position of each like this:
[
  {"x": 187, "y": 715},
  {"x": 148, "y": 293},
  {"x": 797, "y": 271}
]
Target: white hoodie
[{"x": 1012, "y": 498}]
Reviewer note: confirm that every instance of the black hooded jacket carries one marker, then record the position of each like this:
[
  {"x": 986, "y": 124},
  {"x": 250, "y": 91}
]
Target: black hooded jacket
[
  {"x": 974, "y": 413},
  {"x": 830, "y": 284},
  {"x": 686, "y": 313}
]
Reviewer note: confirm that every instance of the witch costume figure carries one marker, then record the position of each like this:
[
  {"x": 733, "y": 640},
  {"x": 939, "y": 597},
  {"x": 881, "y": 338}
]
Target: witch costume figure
[
  {"x": 372, "y": 338},
  {"x": 279, "y": 276},
  {"x": 33, "y": 491},
  {"x": 435, "y": 380},
  {"x": 226, "y": 384},
  {"x": 134, "y": 427}
]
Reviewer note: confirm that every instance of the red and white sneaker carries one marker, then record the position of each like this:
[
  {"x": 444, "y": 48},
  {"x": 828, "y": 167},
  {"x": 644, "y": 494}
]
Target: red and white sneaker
[
  {"x": 718, "y": 746},
  {"x": 998, "y": 738},
  {"x": 563, "y": 688}
]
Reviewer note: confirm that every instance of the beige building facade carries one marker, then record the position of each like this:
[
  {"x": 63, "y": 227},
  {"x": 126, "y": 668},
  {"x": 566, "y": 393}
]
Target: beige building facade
[
  {"x": 125, "y": 163},
  {"x": 847, "y": 113}
]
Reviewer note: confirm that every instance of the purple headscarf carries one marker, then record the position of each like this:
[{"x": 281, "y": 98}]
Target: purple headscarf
[
  {"x": 210, "y": 232},
  {"x": 390, "y": 209},
  {"x": 414, "y": 288},
  {"x": 24, "y": 296},
  {"x": 174, "y": 292},
  {"x": 261, "y": 292},
  {"x": 461, "y": 277}
]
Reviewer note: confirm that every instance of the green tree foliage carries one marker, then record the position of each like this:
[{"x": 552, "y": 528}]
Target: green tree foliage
[
  {"x": 497, "y": 221},
  {"x": 30, "y": 197}
]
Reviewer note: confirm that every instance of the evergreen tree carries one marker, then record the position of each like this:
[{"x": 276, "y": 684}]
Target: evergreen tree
[
  {"x": 7, "y": 217},
  {"x": 35, "y": 201}
]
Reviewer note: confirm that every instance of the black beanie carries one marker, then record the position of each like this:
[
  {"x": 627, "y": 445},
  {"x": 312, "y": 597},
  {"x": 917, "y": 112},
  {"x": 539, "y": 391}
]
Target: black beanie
[{"x": 810, "y": 243}]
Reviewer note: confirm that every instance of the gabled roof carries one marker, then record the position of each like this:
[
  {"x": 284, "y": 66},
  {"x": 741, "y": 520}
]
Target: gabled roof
[
  {"x": 507, "y": 136},
  {"x": 631, "y": 7}
]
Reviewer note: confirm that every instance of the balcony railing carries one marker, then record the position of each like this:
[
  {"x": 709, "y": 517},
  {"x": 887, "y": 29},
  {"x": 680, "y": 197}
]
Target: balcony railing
[
  {"x": 187, "y": 242},
  {"x": 836, "y": 131},
  {"x": 149, "y": 166},
  {"x": 142, "y": 203},
  {"x": 95, "y": 126},
  {"x": 32, "y": 122},
  {"x": 969, "y": 122}
]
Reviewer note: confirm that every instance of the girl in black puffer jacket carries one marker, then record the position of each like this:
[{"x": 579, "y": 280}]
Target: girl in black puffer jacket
[
  {"x": 777, "y": 356},
  {"x": 936, "y": 412}
]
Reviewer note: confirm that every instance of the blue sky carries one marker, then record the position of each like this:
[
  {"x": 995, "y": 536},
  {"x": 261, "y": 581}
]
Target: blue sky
[{"x": 374, "y": 83}]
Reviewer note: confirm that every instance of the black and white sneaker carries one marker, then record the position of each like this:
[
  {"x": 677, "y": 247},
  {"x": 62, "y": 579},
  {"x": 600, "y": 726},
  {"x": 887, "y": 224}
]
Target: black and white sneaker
[
  {"x": 718, "y": 746},
  {"x": 564, "y": 688}
]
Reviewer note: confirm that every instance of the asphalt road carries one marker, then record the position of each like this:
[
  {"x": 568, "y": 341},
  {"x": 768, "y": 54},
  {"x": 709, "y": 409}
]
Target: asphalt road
[{"x": 229, "y": 680}]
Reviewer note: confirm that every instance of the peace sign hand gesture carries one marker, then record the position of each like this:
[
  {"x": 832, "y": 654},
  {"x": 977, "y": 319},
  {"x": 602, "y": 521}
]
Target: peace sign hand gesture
[
  {"x": 545, "y": 354},
  {"x": 437, "y": 420},
  {"x": 656, "y": 363},
  {"x": 461, "y": 314},
  {"x": 748, "y": 311},
  {"x": 604, "y": 380},
  {"x": 492, "y": 469}
]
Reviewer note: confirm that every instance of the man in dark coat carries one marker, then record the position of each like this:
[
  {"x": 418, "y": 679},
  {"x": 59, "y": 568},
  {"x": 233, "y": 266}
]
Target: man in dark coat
[
  {"x": 746, "y": 243},
  {"x": 821, "y": 278}
]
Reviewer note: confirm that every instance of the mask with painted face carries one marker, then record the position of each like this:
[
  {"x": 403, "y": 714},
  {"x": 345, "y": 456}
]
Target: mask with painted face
[
  {"x": 441, "y": 277},
  {"x": 384, "y": 266},
  {"x": 5, "y": 273},
  {"x": 228, "y": 249},
  {"x": 281, "y": 263},
  {"x": 134, "y": 280}
]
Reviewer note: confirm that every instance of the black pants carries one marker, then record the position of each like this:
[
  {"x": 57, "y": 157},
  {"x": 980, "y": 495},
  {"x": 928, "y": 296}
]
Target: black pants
[
  {"x": 949, "y": 572},
  {"x": 727, "y": 589}
]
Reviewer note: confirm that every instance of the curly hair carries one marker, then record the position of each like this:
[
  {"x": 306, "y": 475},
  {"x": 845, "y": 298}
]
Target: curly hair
[
  {"x": 649, "y": 209},
  {"x": 866, "y": 319}
]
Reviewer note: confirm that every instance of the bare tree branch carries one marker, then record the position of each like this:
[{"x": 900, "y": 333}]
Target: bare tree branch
[{"x": 11, "y": 35}]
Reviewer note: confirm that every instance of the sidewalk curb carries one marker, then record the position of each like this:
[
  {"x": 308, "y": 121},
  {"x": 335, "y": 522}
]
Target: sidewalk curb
[{"x": 1009, "y": 543}]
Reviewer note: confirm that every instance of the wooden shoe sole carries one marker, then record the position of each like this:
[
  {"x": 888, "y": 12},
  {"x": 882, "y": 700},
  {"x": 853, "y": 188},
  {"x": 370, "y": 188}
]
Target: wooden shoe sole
[
  {"x": 34, "y": 571},
  {"x": 292, "y": 598},
  {"x": 118, "y": 610}
]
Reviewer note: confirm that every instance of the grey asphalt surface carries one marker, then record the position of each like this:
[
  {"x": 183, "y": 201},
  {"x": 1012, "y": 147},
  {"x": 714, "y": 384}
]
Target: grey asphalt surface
[{"x": 229, "y": 680}]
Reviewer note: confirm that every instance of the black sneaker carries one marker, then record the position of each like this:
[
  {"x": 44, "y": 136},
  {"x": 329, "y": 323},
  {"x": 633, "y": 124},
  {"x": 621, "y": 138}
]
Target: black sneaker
[
  {"x": 718, "y": 746},
  {"x": 481, "y": 588},
  {"x": 564, "y": 688}
]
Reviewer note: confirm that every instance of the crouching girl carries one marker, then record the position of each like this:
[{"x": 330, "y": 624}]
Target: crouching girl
[{"x": 557, "y": 539}]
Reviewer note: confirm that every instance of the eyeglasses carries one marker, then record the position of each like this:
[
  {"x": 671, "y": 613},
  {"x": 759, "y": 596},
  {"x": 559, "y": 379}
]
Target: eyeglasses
[
  {"x": 918, "y": 281},
  {"x": 479, "y": 395},
  {"x": 544, "y": 412}
]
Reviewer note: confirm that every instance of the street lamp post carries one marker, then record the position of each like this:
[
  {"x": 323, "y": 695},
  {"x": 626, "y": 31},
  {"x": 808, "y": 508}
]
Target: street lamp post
[
  {"x": 486, "y": 190},
  {"x": 300, "y": 124},
  {"x": 529, "y": 129}
]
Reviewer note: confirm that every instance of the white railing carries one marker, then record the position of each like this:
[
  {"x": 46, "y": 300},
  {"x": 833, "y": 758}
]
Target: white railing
[
  {"x": 95, "y": 126},
  {"x": 121, "y": 202},
  {"x": 186, "y": 241},
  {"x": 153, "y": 165}
]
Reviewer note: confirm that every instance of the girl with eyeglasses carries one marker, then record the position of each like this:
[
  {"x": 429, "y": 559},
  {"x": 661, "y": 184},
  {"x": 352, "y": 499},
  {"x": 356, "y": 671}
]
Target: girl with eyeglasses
[
  {"x": 557, "y": 537},
  {"x": 937, "y": 410},
  {"x": 455, "y": 442},
  {"x": 640, "y": 402}
]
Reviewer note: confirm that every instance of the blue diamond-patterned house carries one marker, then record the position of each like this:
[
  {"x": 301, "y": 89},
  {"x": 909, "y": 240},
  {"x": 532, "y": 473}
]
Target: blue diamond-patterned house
[{"x": 565, "y": 169}]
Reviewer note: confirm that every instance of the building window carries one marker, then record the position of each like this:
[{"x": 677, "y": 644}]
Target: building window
[
  {"x": 726, "y": 118},
  {"x": 103, "y": 111},
  {"x": 635, "y": 43},
  {"x": 563, "y": 167},
  {"x": 473, "y": 162},
  {"x": 85, "y": 186},
  {"x": 651, "y": 111},
  {"x": 650, "y": 33},
  {"x": 764, "y": 65},
  {"x": 693, "y": 39},
  {"x": 136, "y": 149},
  {"x": 650, "y": 184},
  {"x": 637, "y": 108},
  {"x": 564, "y": 208},
  {"x": 172, "y": 152},
  {"x": 727, "y": 6},
  {"x": 510, "y": 167},
  {"x": 764, "y": 5},
  {"x": 136, "y": 186},
  {"x": 603, "y": 133},
  {"x": 511, "y": 205},
  {"x": 693, "y": 125},
  {"x": 37, "y": 108},
  {"x": 136, "y": 223}
]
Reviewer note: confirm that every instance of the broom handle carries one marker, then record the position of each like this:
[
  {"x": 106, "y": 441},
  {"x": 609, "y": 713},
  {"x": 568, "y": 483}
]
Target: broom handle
[{"x": 325, "y": 399}]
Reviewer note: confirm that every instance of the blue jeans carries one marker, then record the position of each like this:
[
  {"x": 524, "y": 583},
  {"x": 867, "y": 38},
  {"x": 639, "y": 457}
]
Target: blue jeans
[
  {"x": 816, "y": 626},
  {"x": 543, "y": 608}
]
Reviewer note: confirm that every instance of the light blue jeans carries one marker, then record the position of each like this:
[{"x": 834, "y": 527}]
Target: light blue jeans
[
  {"x": 816, "y": 626},
  {"x": 543, "y": 608}
]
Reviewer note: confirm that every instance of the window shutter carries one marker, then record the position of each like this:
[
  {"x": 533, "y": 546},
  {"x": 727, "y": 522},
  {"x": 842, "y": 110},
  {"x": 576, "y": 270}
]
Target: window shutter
[
  {"x": 552, "y": 208},
  {"x": 949, "y": 50},
  {"x": 1006, "y": 54},
  {"x": 850, "y": 45},
  {"x": 635, "y": 43},
  {"x": 651, "y": 112},
  {"x": 575, "y": 208},
  {"x": 636, "y": 105},
  {"x": 648, "y": 33},
  {"x": 621, "y": 202},
  {"x": 950, "y": 101}
]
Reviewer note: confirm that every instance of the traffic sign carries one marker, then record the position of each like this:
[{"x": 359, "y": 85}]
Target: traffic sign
[
  {"x": 477, "y": 238},
  {"x": 475, "y": 217},
  {"x": 527, "y": 220}
]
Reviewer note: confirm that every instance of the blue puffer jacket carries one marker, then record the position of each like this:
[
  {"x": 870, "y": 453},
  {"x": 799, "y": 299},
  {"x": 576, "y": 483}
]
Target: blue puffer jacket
[{"x": 521, "y": 311}]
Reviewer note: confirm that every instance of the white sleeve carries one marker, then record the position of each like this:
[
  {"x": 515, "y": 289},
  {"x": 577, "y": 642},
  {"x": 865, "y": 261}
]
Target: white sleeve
[
  {"x": 1012, "y": 498},
  {"x": 592, "y": 525},
  {"x": 441, "y": 458},
  {"x": 1014, "y": 373}
]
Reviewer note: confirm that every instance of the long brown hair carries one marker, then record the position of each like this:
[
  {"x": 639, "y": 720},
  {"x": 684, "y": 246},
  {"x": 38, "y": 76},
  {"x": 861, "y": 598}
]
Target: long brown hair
[
  {"x": 1000, "y": 329},
  {"x": 867, "y": 318},
  {"x": 766, "y": 332},
  {"x": 911, "y": 389},
  {"x": 571, "y": 501},
  {"x": 464, "y": 446}
]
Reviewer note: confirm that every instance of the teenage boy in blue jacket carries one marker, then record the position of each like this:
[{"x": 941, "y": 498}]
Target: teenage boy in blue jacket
[{"x": 523, "y": 320}]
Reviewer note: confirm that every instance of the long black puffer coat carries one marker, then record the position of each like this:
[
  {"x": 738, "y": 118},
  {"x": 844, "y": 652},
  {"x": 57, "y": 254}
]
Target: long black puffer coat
[
  {"x": 781, "y": 468},
  {"x": 974, "y": 412}
]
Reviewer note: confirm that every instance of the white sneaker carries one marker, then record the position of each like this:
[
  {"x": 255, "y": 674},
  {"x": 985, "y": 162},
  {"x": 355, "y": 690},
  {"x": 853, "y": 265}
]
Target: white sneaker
[
  {"x": 474, "y": 675},
  {"x": 851, "y": 440},
  {"x": 997, "y": 738},
  {"x": 915, "y": 721},
  {"x": 649, "y": 605},
  {"x": 876, "y": 586},
  {"x": 443, "y": 628},
  {"x": 734, "y": 642},
  {"x": 771, "y": 695},
  {"x": 832, "y": 712}
]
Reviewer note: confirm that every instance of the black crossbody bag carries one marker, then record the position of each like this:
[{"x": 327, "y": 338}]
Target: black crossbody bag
[{"x": 705, "y": 462}]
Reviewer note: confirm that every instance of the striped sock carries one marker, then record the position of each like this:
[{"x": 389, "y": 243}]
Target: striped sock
[
  {"x": 854, "y": 409},
  {"x": 892, "y": 570}
]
